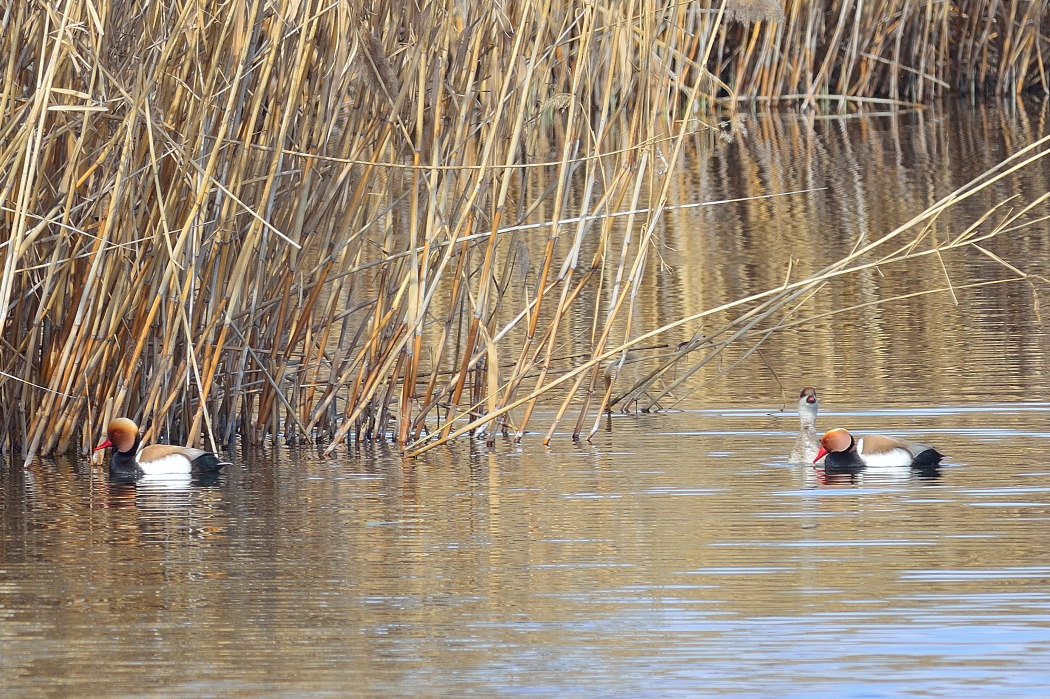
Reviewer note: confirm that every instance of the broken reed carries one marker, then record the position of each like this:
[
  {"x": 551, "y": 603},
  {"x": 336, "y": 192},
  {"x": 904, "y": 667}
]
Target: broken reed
[{"x": 296, "y": 218}]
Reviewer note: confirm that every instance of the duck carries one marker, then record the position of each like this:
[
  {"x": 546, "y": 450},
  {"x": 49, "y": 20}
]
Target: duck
[
  {"x": 840, "y": 450},
  {"x": 806, "y": 444},
  {"x": 157, "y": 459}
]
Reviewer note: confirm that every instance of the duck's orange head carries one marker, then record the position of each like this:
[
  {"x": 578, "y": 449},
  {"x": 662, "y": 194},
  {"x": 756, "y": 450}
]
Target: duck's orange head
[
  {"x": 837, "y": 439},
  {"x": 121, "y": 434}
]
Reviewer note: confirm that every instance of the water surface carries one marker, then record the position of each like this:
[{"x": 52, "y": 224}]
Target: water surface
[{"x": 678, "y": 552}]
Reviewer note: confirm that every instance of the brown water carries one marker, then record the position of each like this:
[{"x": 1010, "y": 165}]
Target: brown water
[{"x": 678, "y": 553}]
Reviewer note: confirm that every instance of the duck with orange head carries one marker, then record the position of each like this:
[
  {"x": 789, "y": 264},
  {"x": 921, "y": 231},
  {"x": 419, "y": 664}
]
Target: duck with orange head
[
  {"x": 841, "y": 450},
  {"x": 130, "y": 458}
]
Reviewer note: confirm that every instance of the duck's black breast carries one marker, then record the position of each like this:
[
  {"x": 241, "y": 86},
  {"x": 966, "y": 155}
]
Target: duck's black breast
[
  {"x": 123, "y": 463},
  {"x": 846, "y": 459},
  {"x": 834, "y": 458}
]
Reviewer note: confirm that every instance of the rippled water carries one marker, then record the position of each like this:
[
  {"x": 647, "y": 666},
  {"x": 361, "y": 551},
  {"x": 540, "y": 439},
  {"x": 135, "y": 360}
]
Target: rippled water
[{"x": 677, "y": 553}]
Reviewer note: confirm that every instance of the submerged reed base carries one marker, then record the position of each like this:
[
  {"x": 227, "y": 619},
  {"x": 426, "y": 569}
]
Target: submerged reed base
[{"x": 308, "y": 218}]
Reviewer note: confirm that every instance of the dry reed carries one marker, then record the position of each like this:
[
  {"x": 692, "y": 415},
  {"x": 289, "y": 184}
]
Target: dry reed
[{"x": 303, "y": 218}]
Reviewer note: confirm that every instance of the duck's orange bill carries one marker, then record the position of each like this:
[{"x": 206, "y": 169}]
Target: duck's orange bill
[
  {"x": 104, "y": 444},
  {"x": 820, "y": 454}
]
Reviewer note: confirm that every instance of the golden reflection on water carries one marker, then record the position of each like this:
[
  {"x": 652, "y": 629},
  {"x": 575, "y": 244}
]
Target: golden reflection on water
[
  {"x": 666, "y": 544},
  {"x": 678, "y": 552},
  {"x": 871, "y": 175}
]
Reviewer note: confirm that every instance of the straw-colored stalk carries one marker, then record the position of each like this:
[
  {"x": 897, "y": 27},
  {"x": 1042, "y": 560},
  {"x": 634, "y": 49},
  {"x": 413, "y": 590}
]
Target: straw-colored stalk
[{"x": 305, "y": 218}]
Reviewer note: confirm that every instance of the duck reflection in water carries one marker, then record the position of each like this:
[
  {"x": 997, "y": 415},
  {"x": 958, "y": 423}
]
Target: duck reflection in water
[{"x": 855, "y": 475}]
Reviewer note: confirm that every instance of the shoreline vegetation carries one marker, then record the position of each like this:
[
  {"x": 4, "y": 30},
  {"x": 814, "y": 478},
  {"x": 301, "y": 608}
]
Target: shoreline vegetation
[{"x": 306, "y": 219}]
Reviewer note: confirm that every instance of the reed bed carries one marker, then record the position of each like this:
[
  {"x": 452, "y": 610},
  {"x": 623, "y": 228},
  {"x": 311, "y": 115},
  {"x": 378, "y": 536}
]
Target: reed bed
[
  {"x": 840, "y": 53},
  {"x": 306, "y": 219}
]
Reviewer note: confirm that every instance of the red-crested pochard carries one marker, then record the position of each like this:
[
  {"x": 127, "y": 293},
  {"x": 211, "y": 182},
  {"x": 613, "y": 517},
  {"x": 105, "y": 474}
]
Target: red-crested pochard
[
  {"x": 806, "y": 444},
  {"x": 123, "y": 435},
  {"x": 842, "y": 451}
]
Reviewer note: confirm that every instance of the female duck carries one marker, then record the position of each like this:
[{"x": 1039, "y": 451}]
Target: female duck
[{"x": 806, "y": 444}]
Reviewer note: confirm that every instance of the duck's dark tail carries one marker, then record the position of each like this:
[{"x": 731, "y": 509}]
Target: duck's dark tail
[
  {"x": 208, "y": 463},
  {"x": 927, "y": 458}
]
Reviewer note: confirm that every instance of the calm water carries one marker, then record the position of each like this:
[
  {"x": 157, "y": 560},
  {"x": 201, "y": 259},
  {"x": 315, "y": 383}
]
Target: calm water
[{"x": 678, "y": 553}]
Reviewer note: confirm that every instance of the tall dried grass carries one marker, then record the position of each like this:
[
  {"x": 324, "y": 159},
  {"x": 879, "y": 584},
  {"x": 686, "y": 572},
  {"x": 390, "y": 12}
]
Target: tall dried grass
[
  {"x": 304, "y": 218},
  {"x": 897, "y": 51}
]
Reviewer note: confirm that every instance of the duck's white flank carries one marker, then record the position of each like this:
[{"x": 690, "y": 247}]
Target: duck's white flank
[
  {"x": 176, "y": 462},
  {"x": 898, "y": 456}
]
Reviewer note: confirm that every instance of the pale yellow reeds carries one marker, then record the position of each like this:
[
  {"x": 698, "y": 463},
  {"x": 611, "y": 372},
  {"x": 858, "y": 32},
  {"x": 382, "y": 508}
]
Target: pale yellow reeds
[
  {"x": 300, "y": 217},
  {"x": 896, "y": 51}
]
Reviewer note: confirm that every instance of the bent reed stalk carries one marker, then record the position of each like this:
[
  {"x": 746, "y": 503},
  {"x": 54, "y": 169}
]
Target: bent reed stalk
[{"x": 304, "y": 218}]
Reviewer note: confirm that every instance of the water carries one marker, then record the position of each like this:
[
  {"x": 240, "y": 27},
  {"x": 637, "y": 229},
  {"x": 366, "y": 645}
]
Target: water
[{"x": 676, "y": 554}]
